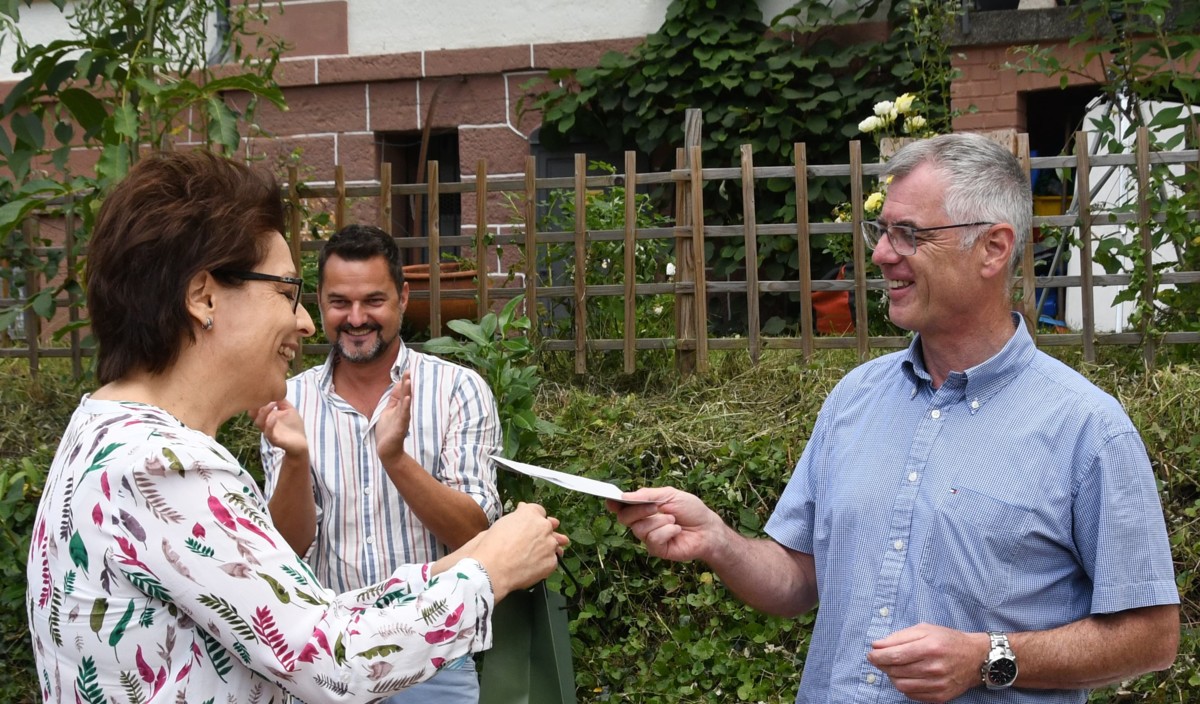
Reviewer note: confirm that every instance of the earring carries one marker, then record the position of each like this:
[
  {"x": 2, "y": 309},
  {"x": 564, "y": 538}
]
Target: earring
[{"x": 208, "y": 323}]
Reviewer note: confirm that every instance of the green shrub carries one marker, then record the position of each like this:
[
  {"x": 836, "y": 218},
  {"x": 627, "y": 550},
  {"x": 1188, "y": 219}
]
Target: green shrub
[
  {"x": 33, "y": 414},
  {"x": 644, "y": 630}
]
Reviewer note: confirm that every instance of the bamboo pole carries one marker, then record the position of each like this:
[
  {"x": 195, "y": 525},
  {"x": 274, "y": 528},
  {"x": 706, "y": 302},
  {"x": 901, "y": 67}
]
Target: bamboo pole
[
  {"x": 686, "y": 261},
  {"x": 803, "y": 246},
  {"x": 1028, "y": 283},
  {"x": 433, "y": 227},
  {"x": 860, "y": 257},
  {"x": 531, "y": 308},
  {"x": 581, "y": 263},
  {"x": 385, "y": 196},
  {"x": 294, "y": 228},
  {"x": 72, "y": 294},
  {"x": 33, "y": 324},
  {"x": 701, "y": 300},
  {"x": 339, "y": 203},
  {"x": 1083, "y": 196},
  {"x": 750, "y": 237},
  {"x": 483, "y": 305},
  {"x": 630, "y": 327},
  {"x": 1149, "y": 287}
]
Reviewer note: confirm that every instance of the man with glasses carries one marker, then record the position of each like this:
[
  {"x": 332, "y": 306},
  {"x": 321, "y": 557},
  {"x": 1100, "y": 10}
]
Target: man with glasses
[
  {"x": 972, "y": 514},
  {"x": 372, "y": 495}
]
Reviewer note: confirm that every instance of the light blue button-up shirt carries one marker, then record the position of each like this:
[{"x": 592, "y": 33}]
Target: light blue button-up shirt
[{"x": 1015, "y": 497}]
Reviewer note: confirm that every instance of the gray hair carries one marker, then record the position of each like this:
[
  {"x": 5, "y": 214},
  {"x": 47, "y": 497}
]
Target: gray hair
[{"x": 984, "y": 182}]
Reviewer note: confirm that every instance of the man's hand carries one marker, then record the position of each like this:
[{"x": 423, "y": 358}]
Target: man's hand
[
  {"x": 281, "y": 424},
  {"x": 930, "y": 663},
  {"x": 679, "y": 527},
  {"x": 292, "y": 507},
  {"x": 392, "y": 427}
]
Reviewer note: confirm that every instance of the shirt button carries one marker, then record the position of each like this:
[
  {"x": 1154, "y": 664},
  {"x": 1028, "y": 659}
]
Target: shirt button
[
  {"x": 884, "y": 612},
  {"x": 935, "y": 414},
  {"x": 871, "y": 678},
  {"x": 912, "y": 476},
  {"x": 367, "y": 490},
  {"x": 899, "y": 544},
  {"x": 975, "y": 405},
  {"x": 370, "y": 540}
]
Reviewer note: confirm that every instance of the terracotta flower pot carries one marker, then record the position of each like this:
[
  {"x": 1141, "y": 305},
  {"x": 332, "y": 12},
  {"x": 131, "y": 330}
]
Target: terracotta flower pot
[{"x": 452, "y": 277}]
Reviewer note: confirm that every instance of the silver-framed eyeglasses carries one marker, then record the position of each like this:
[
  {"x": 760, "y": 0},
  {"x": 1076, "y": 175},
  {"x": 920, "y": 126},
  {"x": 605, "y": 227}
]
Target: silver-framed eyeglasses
[
  {"x": 259, "y": 276},
  {"x": 903, "y": 238}
]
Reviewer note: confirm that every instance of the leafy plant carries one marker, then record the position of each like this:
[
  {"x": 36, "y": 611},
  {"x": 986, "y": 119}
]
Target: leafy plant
[
  {"x": 131, "y": 76},
  {"x": 802, "y": 82},
  {"x": 1145, "y": 49},
  {"x": 498, "y": 347}
]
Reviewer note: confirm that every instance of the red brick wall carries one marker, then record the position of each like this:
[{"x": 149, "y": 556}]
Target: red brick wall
[{"x": 997, "y": 93}]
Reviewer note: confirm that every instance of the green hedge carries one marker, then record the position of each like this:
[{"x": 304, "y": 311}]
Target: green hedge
[{"x": 645, "y": 630}]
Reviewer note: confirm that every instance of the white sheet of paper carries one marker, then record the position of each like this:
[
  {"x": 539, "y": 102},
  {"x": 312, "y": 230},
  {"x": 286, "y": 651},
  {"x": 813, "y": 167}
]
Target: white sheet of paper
[{"x": 573, "y": 482}]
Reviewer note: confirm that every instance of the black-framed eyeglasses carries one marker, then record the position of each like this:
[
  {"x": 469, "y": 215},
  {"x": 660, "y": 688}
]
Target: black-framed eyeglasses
[
  {"x": 259, "y": 276},
  {"x": 902, "y": 237}
]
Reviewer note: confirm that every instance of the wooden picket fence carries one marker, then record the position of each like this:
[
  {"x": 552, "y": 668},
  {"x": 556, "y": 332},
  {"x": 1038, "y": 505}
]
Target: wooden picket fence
[{"x": 690, "y": 287}]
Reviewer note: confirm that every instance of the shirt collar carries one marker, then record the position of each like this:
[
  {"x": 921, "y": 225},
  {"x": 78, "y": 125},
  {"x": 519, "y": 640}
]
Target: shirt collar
[{"x": 984, "y": 380}]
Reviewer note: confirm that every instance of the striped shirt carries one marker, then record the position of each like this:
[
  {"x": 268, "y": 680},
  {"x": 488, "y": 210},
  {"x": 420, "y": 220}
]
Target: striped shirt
[
  {"x": 1015, "y": 497},
  {"x": 365, "y": 530}
]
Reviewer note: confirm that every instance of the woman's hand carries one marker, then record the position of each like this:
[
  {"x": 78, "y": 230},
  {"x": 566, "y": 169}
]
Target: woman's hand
[{"x": 519, "y": 550}]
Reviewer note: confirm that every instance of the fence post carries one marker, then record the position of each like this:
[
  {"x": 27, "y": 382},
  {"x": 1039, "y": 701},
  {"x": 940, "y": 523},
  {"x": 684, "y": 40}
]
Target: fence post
[
  {"x": 293, "y": 196},
  {"x": 750, "y": 237},
  {"x": 860, "y": 250},
  {"x": 630, "y": 261},
  {"x": 482, "y": 304},
  {"x": 531, "y": 307},
  {"x": 1028, "y": 284},
  {"x": 72, "y": 296},
  {"x": 1083, "y": 189},
  {"x": 581, "y": 263},
  {"x": 33, "y": 324},
  {"x": 385, "y": 196},
  {"x": 701, "y": 321},
  {"x": 1149, "y": 283},
  {"x": 802, "y": 249},
  {"x": 434, "y": 229},
  {"x": 685, "y": 306},
  {"x": 339, "y": 203}
]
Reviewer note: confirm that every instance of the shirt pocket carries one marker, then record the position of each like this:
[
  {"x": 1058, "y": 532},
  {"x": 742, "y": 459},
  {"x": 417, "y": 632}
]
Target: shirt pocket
[{"x": 973, "y": 544}]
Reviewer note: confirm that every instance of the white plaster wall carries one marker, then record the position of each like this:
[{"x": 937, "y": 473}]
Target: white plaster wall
[
  {"x": 394, "y": 26},
  {"x": 41, "y": 23},
  {"x": 391, "y": 26}
]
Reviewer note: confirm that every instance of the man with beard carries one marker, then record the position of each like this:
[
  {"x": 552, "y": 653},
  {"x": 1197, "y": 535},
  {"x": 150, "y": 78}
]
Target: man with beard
[{"x": 371, "y": 494}]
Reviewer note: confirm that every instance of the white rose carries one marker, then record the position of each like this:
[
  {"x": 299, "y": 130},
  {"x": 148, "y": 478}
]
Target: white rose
[
  {"x": 914, "y": 123},
  {"x": 870, "y": 124},
  {"x": 884, "y": 107},
  {"x": 670, "y": 268},
  {"x": 904, "y": 103}
]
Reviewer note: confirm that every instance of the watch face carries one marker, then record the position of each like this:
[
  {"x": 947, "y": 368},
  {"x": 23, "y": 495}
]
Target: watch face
[{"x": 1002, "y": 672}]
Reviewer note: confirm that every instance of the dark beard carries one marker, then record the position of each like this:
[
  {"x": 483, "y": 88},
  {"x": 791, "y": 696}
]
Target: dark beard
[{"x": 360, "y": 355}]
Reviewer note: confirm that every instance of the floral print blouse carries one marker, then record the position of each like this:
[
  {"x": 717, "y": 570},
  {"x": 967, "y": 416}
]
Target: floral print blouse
[{"x": 155, "y": 574}]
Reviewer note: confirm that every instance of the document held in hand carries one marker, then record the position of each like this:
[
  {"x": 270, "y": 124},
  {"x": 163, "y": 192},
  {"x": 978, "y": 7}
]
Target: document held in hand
[{"x": 567, "y": 481}]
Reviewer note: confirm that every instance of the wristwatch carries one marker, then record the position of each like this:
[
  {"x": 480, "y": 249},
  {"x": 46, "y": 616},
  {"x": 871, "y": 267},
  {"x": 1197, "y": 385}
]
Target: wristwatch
[{"x": 1000, "y": 668}]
